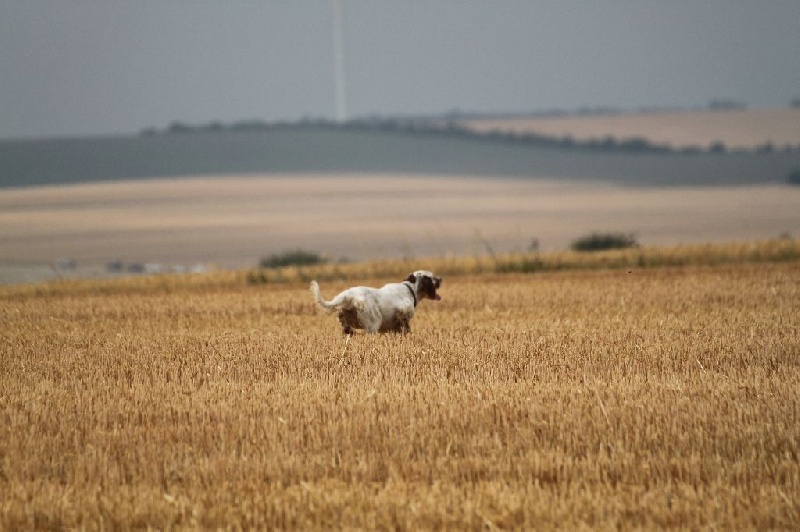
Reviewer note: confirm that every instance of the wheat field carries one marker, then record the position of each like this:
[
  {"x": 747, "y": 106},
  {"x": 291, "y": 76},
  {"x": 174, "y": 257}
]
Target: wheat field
[
  {"x": 652, "y": 397},
  {"x": 738, "y": 129}
]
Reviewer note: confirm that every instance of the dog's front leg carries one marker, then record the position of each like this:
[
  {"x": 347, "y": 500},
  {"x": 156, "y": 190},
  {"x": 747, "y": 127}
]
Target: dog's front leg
[
  {"x": 404, "y": 327},
  {"x": 401, "y": 323}
]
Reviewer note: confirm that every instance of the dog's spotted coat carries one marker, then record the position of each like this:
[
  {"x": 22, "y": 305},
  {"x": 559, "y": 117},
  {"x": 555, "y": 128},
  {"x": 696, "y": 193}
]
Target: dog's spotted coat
[{"x": 386, "y": 309}]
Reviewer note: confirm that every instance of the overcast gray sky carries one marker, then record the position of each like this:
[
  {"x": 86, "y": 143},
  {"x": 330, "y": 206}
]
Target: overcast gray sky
[{"x": 75, "y": 67}]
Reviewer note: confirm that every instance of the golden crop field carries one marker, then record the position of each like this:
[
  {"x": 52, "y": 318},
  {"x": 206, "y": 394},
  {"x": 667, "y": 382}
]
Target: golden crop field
[
  {"x": 739, "y": 129},
  {"x": 633, "y": 397}
]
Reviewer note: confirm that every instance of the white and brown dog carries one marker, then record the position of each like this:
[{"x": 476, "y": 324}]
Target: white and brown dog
[{"x": 387, "y": 309}]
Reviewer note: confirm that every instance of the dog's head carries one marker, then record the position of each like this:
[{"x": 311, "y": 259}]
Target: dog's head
[{"x": 425, "y": 284}]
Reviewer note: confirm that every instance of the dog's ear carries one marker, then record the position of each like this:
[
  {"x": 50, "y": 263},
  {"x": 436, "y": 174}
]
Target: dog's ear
[{"x": 412, "y": 279}]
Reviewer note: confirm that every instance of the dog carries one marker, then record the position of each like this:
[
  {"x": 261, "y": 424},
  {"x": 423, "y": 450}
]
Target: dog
[{"x": 381, "y": 310}]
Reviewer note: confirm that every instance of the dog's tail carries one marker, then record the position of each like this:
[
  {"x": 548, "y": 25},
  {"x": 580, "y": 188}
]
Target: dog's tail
[{"x": 327, "y": 305}]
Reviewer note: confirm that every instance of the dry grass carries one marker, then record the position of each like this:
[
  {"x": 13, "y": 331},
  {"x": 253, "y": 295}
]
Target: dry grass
[
  {"x": 777, "y": 250},
  {"x": 737, "y": 129},
  {"x": 664, "y": 397}
]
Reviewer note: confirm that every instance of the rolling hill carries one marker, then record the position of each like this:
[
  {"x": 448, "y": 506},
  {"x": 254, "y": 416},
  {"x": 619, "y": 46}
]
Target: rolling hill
[{"x": 326, "y": 149}]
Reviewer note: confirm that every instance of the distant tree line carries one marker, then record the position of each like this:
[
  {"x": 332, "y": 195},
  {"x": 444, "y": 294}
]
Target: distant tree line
[{"x": 449, "y": 124}]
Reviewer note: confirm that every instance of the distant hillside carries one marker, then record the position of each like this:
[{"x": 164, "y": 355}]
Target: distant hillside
[{"x": 376, "y": 148}]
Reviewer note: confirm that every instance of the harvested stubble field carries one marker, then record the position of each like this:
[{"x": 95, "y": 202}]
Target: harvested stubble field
[{"x": 654, "y": 397}]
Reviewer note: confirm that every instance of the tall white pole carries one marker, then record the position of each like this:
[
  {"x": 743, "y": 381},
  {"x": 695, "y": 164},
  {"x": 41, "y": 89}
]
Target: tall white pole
[{"x": 338, "y": 61}]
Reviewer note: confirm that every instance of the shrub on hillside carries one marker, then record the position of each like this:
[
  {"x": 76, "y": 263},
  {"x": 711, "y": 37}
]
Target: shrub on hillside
[
  {"x": 794, "y": 177},
  {"x": 297, "y": 257},
  {"x": 600, "y": 241}
]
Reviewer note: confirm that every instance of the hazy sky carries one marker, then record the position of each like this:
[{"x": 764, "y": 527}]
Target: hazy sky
[{"x": 74, "y": 67}]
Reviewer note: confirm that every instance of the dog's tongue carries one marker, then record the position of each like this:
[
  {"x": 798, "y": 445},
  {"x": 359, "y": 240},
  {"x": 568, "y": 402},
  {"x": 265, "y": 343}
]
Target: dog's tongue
[{"x": 438, "y": 297}]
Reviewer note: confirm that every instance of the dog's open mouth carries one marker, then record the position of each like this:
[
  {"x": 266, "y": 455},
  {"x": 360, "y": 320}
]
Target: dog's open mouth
[{"x": 437, "y": 282}]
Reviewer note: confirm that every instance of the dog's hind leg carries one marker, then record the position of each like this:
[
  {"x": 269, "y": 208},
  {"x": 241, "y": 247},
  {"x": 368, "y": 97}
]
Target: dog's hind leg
[{"x": 348, "y": 317}]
